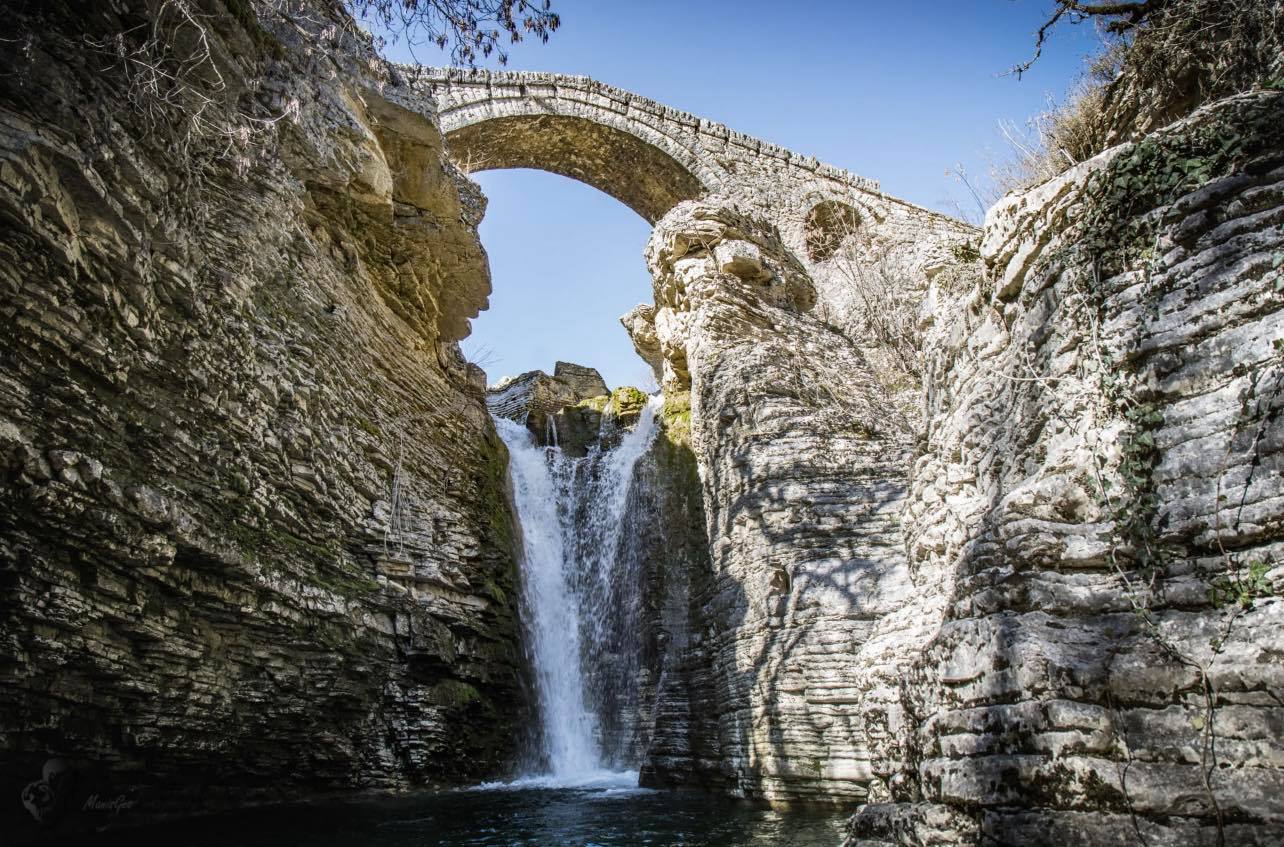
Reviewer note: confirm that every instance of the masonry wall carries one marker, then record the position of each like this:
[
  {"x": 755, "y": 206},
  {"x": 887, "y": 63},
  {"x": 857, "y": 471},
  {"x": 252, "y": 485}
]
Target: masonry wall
[{"x": 557, "y": 121}]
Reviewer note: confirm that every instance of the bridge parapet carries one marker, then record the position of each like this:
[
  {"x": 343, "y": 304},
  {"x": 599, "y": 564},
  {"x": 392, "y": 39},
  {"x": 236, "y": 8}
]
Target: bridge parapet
[{"x": 651, "y": 157}]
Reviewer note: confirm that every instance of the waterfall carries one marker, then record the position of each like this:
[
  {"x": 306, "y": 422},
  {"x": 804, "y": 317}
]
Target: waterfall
[{"x": 580, "y": 593}]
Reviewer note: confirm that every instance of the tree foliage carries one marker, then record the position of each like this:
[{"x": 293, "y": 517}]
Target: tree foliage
[{"x": 469, "y": 29}]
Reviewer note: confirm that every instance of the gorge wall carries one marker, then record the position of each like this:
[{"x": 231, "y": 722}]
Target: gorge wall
[
  {"x": 254, "y": 541},
  {"x": 1095, "y": 517},
  {"x": 801, "y": 486},
  {"x": 1057, "y": 618},
  {"x": 1054, "y": 618}
]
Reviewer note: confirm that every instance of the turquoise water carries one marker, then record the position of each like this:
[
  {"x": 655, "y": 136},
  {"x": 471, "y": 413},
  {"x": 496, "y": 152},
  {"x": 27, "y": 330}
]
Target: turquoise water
[{"x": 529, "y": 816}]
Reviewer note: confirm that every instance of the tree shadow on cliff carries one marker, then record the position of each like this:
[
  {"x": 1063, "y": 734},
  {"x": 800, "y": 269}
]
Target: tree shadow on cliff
[{"x": 829, "y": 578}]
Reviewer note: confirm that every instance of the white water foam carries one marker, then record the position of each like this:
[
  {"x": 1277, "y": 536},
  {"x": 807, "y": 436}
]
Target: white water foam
[
  {"x": 571, "y": 512},
  {"x": 612, "y": 782}
]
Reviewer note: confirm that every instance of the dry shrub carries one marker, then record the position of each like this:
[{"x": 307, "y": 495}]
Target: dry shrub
[
  {"x": 1192, "y": 52},
  {"x": 468, "y": 29},
  {"x": 827, "y": 224},
  {"x": 876, "y": 304},
  {"x": 198, "y": 75},
  {"x": 1175, "y": 56},
  {"x": 1063, "y": 135}
]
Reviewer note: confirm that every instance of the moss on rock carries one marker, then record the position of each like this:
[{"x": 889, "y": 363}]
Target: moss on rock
[
  {"x": 627, "y": 401},
  {"x": 676, "y": 417},
  {"x": 596, "y": 404}
]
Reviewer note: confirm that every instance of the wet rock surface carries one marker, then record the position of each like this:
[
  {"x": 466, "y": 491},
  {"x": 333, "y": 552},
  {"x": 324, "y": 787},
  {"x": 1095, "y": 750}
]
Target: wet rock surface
[{"x": 563, "y": 410}]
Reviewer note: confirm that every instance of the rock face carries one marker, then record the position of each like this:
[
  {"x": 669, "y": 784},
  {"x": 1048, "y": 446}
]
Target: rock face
[
  {"x": 639, "y": 323},
  {"x": 553, "y": 407},
  {"x": 254, "y": 540},
  {"x": 1056, "y": 620},
  {"x": 1096, "y": 518},
  {"x": 675, "y": 738},
  {"x": 802, "y": 485},
  {"x": 585, "y": 382},
  {"x": 253, "y": 535}
]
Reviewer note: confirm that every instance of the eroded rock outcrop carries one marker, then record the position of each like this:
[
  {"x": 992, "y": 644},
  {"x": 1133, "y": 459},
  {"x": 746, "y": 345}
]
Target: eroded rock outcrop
[
  {"x": 563, "y": 410},
  {"x": 801, "y": 486},
  {"x": 1097, "y": 515},
  {"x": 675, "y": 739},
  {"x": 253, "y": 533},
  {"x": 1058, "y": 620}
]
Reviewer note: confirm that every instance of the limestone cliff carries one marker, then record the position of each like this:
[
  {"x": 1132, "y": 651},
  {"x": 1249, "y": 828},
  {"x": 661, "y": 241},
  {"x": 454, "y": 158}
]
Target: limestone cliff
[
  {"x": 677, "y": 739},
  {"x": 1096, "y": 518},
  {"x": 1056, "y": 616},
  {"x": 802, "y": 483},
  {"x": 253, "y": 534},
  {"x": 254, "y": 539}
]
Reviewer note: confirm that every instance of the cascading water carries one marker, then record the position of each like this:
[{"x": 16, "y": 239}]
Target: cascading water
[{"x": 580, "y": 594}]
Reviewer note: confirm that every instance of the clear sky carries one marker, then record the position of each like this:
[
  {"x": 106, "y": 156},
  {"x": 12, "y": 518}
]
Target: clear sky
[{"x": 897, "y": 90}]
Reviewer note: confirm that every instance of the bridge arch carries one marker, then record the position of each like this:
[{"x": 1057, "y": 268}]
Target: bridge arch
[
  {"x": 646, "y": 155},
  {"x": 638, "y": 173},
  {"x": 652, "y": 157}
]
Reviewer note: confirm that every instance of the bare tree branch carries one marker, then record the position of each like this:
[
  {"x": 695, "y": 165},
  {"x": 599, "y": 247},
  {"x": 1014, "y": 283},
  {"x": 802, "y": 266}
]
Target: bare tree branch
[
  {"x": 1126, "y": 15},
  {"x": 470, "y": 29}
]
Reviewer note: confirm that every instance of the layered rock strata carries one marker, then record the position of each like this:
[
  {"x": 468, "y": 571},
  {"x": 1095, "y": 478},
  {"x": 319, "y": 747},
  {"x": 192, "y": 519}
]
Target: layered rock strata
[
  {"x": 253, "y": 534},
  {"x": 550, "y": 406},
  {"x": 1098, "y": 507},
  {"x": 674, "y": 731},
  {"x": 802, "y": 483},
  {"x": 1056, "y": 618}
]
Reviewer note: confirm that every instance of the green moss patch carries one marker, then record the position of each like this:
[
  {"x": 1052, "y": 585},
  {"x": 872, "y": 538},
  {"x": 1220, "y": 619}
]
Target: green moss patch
[
  {"x": 627, "y": 401},
  {"x": 676, "y": 417}
]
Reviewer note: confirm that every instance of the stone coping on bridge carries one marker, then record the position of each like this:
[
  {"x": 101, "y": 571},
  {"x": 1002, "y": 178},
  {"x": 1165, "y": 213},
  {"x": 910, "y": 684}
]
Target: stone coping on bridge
[{"x": 627, "y": 99}]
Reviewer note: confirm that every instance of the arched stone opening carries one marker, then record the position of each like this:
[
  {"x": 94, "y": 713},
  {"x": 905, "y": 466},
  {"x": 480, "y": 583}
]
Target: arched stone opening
[
  {"x": 828, "y": 224},
  {"x": 552, "y": 242},
  {"x": 633, "y": 171}
]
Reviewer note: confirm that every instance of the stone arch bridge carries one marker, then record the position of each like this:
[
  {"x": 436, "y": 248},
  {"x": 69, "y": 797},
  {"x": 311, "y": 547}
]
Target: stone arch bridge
[{"x": 651, "y": 157}]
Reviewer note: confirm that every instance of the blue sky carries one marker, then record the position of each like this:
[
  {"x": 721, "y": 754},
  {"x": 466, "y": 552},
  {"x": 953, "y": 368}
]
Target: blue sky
[{"x": 897, "y": 91}]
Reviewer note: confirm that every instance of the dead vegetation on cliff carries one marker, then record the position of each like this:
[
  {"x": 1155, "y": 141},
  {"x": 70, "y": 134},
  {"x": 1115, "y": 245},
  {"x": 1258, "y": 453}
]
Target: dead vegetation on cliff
[
  {"x": 202, "y": 79},
  {"x": 1161, "y": 60}
]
